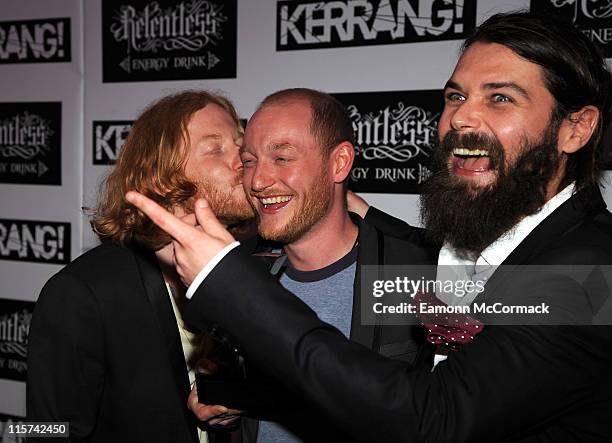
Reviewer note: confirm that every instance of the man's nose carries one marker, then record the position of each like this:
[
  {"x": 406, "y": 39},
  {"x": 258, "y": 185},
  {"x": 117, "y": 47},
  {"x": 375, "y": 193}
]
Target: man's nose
[
  {"x": 262, "y": 178},
  {"x": 466, "y": 116}
]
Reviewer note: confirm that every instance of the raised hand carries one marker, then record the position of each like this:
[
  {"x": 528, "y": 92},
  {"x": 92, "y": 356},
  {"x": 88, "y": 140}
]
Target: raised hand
[
  {"x": 194, "y": 246},
  {"x": 357, "y": 204}
]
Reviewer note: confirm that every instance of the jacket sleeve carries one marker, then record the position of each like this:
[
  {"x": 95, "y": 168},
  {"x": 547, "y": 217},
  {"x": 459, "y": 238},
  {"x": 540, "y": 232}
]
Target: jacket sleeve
[
  {"x": 505, "y": 383},
  {"x": 66, "y": 357}
]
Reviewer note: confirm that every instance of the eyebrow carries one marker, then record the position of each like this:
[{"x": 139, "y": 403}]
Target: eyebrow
[
  {"x": 273, "y": 147},
  {"x": 451, "y": 84},
  {"x": 280, "y": 147},
  {"x": 211, "y": 137},
  {"x": 494, "y": 85},
  {"x": 510, "y": 85}
]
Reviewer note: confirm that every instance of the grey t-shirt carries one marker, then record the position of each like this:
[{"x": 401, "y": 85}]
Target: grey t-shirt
[{"x": 329, "y": 292}]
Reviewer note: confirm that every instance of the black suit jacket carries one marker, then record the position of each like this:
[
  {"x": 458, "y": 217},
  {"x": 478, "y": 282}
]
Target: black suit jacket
[
  {"x": 105, "y": 354},
  {"x": 512, "y": 383},
  {"x": 375, "y": 249}
]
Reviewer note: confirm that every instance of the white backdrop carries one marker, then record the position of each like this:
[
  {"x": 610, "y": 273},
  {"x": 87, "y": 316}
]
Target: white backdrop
[
  {"x": 260, "y": 70},
  {"x": 43, "y": 82}
]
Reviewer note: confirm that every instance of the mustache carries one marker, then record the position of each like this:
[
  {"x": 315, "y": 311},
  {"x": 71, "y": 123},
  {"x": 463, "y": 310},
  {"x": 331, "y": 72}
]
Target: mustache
[{"x": 474, "y": 140}]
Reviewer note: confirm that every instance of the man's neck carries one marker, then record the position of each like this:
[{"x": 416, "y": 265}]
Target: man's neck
[
  {"x": 328, "y": 241},
  {"x": 165, "y": 257}
]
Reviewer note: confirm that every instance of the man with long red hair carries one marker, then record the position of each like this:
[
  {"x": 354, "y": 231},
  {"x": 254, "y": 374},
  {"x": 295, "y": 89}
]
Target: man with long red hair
[{"x": 108, "y": 349}]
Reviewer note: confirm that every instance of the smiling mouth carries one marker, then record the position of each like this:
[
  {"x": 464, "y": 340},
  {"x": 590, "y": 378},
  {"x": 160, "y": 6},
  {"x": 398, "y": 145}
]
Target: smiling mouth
[
  {"x": 274, "y": 203},
  {"x": 471, "y": 161}
]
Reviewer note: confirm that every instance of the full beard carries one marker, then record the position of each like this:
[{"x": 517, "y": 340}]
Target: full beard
[
  {"x": 229, "y": 203},
  {"x": 312, "y": 207},
  {"x": 471, "y": 217}
]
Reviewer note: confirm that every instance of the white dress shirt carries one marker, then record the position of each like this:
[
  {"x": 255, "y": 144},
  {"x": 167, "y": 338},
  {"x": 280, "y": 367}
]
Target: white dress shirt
[
  {"x": 495, "y": 254},
  {"x": 459, "y": 265}
]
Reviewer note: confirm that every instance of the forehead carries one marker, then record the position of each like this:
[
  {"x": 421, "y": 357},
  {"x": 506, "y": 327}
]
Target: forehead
[
  {"x": 484, "y": 64},
  {"x": 210, "y": 118},
  {"x": 282, "y": 123}
]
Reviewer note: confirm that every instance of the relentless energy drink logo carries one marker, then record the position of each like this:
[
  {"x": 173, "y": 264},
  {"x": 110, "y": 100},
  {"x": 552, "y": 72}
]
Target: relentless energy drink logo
[
  {"x": 108, "y": 138},
  {"x": 168, "y": 40},
  {"x": 592, "y": 17},
  {"x": 15, "y": 317},
  {"x": 35, "y": 41},
  {"x": 35, "y": 241},
  {"x": 395, "y": 134},
  {"x": 30, "y": 143},
  {"x": 306, "y": 24}
]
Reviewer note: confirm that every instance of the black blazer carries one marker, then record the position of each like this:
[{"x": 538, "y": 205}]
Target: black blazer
[
  {"x": 105, "y": 354},
  {"x": 512, "y": 383},
  {"x": 375, "y": 248}
]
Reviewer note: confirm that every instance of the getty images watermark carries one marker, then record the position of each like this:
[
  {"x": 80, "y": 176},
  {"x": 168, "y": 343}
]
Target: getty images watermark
[{"x": 490, "y": 295}]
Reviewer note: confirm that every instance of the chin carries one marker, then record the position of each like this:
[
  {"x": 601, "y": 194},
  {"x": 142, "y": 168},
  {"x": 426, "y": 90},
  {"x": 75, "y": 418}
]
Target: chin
[
  {"x": 273, "y": 233},
  {"x": 269, "y": 232}
]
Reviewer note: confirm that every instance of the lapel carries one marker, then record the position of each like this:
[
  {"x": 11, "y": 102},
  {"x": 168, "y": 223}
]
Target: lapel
[
  {"x": 565, "y": 218},
  {"x": 157, "y": 293},
  {"x": 374, "y": 250},
  {"x": 368, "y": 241}
]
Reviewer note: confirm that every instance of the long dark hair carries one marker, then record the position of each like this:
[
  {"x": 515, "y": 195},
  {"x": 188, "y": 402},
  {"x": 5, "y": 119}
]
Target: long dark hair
[{"x": 575, "y": 74}]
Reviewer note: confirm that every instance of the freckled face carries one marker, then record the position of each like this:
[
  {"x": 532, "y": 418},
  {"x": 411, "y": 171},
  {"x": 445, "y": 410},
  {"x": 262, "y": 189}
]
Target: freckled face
[
  {"x": 213, "y": 162},
  {"x": 286, "y": 177}
]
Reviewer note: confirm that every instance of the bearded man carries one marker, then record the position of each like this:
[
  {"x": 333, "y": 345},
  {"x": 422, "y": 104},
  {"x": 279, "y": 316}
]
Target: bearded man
[
  {"x": 108, "y": 350},
  {"x": 515, "y": 184}
]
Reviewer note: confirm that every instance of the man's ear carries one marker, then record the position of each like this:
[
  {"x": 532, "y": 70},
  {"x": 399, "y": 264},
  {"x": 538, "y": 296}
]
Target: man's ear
[
  {"x": 342, "y": 158},
  {"x": 577, "y": 128}
]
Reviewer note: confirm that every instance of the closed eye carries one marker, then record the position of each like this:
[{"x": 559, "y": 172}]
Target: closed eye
[{"x": 247, "y": 160}]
